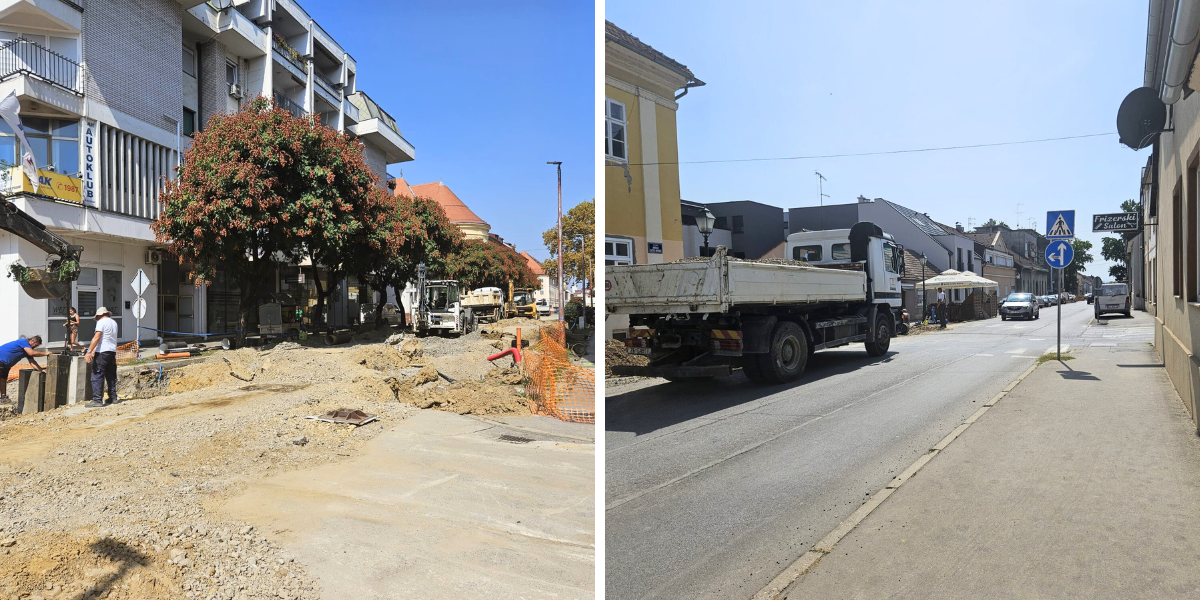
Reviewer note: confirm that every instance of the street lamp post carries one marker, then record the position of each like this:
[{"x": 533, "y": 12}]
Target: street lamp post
[
  {"x": 704, "y": 223},
  {"x": 924, "y": 290},
  {"x": 561, "y": 303}
]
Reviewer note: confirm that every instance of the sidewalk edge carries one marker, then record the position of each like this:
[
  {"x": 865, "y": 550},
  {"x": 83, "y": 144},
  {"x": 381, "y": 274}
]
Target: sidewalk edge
[{"x": 809, "y": 560}]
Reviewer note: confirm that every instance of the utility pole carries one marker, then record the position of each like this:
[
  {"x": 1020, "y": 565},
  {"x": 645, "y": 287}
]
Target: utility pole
[{"x": 561, "y": 302}]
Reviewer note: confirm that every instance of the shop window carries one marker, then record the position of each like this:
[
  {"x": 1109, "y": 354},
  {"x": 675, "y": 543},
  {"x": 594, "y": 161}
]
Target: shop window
[{"x": 53, "y": 142}]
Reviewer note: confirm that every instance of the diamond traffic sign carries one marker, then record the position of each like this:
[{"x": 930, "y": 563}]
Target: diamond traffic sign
[
  {"x": 1060, "y": 224},
  {"x": 140, "y": 282},
  {"x": 1059, "y": 254}
]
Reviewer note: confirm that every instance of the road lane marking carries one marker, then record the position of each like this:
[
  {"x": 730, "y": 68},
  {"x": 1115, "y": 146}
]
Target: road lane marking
[
  {"x": 982, "y": 354},
  {"x": 1017, "y": 351}
]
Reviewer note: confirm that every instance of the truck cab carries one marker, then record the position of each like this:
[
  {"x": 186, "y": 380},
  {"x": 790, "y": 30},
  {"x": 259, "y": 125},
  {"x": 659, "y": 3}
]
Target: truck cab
[
  {"x": 831, "y": 248},
  {"x": 443, "y": 311}
]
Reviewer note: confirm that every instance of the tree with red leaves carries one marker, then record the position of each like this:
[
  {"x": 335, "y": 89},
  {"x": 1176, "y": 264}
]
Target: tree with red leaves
[
  {"x": 487, "y": 263},
  {"x": 260, "y": 188}
]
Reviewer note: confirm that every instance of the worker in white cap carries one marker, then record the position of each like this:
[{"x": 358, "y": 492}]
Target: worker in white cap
[{"x": 102, "y": 356}]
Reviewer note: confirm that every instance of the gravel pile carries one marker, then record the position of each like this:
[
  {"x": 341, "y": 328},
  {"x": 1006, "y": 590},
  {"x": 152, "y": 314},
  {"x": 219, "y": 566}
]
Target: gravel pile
[{"x": 616, "y": 354}]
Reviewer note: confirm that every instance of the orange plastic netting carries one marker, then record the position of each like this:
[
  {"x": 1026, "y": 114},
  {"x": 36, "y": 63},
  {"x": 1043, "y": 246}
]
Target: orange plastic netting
[
  {"x": 557, "y": 387},
  {"x": 126, "y": 353}
]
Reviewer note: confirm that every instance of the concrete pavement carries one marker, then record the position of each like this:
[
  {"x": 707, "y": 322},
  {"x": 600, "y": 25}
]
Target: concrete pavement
[
  {"x": 1080, "y": 482},
  {"x": 438, "y": 507}
]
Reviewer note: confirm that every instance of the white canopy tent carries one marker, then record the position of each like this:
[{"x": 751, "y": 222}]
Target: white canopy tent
[{"x": 956, "y": 280}]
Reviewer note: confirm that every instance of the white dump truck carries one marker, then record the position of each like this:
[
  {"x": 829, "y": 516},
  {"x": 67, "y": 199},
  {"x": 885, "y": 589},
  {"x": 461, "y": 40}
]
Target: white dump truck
[{"x": 701, "y": 318}]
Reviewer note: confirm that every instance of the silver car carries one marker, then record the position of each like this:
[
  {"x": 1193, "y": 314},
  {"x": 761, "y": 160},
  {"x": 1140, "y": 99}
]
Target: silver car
[
  {"x": 1112, "y": 297},
  {"x": 1023, "y": 306}
]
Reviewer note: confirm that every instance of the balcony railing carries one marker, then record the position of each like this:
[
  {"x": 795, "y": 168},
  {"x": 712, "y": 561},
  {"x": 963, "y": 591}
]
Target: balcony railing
[
  {"x": 291, "y": 54},
  {"x": 23, "y": 57},
  {"x": 325, "y": 85},
  {"x": 289, "y": 105}
]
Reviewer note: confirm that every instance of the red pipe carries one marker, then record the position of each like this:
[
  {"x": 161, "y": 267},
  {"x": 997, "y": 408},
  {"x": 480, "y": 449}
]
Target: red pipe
[{"x": 516, "y": 353}]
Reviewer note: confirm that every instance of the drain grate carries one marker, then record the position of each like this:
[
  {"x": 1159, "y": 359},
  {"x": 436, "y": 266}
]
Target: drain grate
[{"x": 515, "y": 439}]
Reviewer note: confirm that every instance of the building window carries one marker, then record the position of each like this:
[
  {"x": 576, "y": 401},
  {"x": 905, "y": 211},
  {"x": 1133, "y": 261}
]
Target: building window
[
  {"x": 738, "y": 223},
  {"x": 721, "y": 223},
  {"x": 614, "y": 130},
  {"x": 806, "y": 253},
  {"x": 618, "y": 251},
  {"x": 231, "y": 72},
  {"x": 1177, "y": 240},
  {"x": 54, "y": 143},
  {"x": 189, "y": 62},
  {"x": 188, "y": 126}
]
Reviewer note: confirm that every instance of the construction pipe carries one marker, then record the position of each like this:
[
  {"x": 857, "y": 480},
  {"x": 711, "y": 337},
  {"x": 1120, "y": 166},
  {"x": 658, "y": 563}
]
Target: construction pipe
[
  {"x": 338, "y": 337},
  {"x": 167, "y": 347},
  {"x": 1181, "y": 48},
  {"x": 516, "y": 354}
]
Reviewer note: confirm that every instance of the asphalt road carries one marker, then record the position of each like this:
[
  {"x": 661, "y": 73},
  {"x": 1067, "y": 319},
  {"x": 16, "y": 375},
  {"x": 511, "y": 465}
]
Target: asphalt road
[{"x": 712, "y": 489}]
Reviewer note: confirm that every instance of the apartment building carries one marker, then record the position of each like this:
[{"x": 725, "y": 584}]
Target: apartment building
[{"x": 111, "y": 92}]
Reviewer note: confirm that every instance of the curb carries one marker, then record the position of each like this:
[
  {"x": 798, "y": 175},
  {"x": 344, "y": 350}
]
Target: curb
[{"x": 809, "y": 560}]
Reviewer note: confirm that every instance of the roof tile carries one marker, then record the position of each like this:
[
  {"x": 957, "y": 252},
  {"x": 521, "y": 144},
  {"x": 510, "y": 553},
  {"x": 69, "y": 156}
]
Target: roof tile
[{"x": 456, "y": 209}]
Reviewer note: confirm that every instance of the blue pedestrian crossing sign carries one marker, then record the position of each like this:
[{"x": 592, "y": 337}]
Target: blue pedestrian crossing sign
[
  {"x": 1059, "y": 254},
  {"x": 1060, "y": 224}
]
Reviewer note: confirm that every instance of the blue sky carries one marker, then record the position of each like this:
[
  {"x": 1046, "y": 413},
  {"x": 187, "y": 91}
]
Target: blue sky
[
  {"x": 487, "y": 92},
  {"x": 804, "y": 78}
]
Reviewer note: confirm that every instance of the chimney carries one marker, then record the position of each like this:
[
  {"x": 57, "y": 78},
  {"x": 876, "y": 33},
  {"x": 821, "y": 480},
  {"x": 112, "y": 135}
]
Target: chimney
[
  {"x": 864, "y": 200},
  {"x": 959, "y": 227}
]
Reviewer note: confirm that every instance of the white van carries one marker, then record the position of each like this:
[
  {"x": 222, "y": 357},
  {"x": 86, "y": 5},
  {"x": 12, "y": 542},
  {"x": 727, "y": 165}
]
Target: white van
[{"x": 1113, "y": 298}]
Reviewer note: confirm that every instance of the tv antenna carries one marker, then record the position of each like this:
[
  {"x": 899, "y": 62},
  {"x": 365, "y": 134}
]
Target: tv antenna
[{"x": 821, "y": 196}]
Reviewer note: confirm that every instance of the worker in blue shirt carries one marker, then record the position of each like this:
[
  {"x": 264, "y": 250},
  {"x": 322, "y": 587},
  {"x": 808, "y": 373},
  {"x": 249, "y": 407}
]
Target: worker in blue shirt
[{"x": 12, "y": 353}]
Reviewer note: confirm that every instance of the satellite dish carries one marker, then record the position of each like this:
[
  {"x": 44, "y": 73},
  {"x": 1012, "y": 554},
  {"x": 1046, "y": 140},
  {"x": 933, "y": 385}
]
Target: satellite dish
[{"x": 1141, "y": 117}]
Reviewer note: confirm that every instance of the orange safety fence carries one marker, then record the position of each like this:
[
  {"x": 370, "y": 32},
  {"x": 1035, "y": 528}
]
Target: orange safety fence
[{"x": 558, "y": 388}]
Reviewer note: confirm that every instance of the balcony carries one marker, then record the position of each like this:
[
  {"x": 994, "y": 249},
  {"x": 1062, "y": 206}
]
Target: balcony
[
  {"x": 290, "y": 58},
  {"x": 22, "y": 57},
  {"x": 379, "y": 128},
  {"x": 35, "y": 73},
  {"x": 326, "y": 89},
  {"x": 288, "y": 104},
  {"x": 232, "y": 29}
]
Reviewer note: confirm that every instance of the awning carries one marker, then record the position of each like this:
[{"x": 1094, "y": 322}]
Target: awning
[{"x": 955, "y": 280}]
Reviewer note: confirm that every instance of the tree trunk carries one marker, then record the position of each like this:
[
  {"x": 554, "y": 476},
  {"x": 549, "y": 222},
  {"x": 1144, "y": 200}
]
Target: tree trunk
[
  {"x": 379, "y": 308},
  {"x": 319, "y": 324},
  {"x": 247, "y": 304}
]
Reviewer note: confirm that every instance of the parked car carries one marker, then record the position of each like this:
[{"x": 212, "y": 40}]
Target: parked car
[
  {"x": 1042, "y": 301},
  {"x": 1088, "y": 297},
  {"x": 1113, "y": 297},
  {"x": 543, "y": 307},
  {"x": 1024, "y": 306}
]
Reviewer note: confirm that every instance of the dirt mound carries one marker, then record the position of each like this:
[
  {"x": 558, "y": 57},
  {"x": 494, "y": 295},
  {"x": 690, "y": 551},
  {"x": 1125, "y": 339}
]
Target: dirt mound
[
  {"x": 382, "y": 357},
  {"x": 427, "y": 374},
  {"x": 198, "y": 376},
  {"x": 56, "y": 565},
  {"x": 472, "y": 398},
  {"x": 615, "y": 354},
  {"x": 505, "y": 376}
]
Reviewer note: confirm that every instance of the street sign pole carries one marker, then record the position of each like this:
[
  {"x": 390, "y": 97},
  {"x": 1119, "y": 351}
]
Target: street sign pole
[
  {"x": 1060, "y": 287},
  {"x": 140, "y": 283}
]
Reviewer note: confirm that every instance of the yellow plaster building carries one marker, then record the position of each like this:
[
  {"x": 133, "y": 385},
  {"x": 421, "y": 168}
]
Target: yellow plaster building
[{"x": 641, "y": 176}]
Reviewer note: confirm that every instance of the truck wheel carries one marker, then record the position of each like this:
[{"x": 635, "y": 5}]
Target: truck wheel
[
  {"x": 787, "y": 356},
  {"x": 750, "y": 368},
  {"x": 883, "y": 337}
]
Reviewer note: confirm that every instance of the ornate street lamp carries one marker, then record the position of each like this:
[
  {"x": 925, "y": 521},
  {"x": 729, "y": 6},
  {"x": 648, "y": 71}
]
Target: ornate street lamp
[{"x": 705, "y": 223}]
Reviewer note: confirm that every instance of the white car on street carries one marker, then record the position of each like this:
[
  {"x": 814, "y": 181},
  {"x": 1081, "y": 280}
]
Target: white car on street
[
  {"x": 1113, "y": 298},
  {"x": 543, "y": 307},
  {"x": 1023, "y": 306}
]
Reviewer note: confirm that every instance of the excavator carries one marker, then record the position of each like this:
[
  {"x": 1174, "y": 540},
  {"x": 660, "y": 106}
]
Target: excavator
[
  {"x": 520, "y": 303},
  {"x": 63, "y": 263}
]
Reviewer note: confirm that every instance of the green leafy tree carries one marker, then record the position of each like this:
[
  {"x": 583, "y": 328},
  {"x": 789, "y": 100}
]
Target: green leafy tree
[
  {"x": 487, "y": 263},
  {"x": 993, "y": 223},
  {"x": 417, "y": 232},
  {"x": 1083, "y": 256},
  {"x": 1113, "y": 248},
  {"x": 1117, "y": 272},
  {"x": 259, "y": 188},
  {"x": 579, "y": 246}
]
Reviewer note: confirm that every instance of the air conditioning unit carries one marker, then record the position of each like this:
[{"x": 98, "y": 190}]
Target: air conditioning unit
[
  {"x": 154, "y": 257},
  {"x": 235, "y": 91}
]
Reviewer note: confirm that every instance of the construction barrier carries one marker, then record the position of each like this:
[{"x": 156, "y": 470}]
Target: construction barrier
[
  {"x": 127, "y": 352},
  {"x": 558, "y": 388}
]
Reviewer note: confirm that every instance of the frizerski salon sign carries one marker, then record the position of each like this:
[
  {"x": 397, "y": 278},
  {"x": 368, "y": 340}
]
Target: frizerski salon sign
[
  {"x": 91, "y": 163},
  {"x": 1126, "y": 221}
]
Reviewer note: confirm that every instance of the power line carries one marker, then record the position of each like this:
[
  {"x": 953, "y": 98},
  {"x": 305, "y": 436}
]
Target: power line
[{"x": 879, "y": 153}]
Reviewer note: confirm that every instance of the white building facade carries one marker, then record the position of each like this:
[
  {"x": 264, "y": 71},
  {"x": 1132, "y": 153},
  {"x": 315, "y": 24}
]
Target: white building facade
[{"x": 111, "y": 92}]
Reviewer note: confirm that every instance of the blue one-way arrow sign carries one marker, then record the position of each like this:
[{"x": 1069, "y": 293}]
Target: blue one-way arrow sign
[
  {"x": 1059, "y": 254},
  {"x": 1060, "y": 224}
]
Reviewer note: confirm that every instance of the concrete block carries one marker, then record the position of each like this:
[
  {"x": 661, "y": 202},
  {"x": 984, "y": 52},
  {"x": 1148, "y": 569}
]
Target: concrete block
[
  {"x": 33, "y": 390},
  {"x": 79, "y": 382},
  {"x": 58, "y": 369}
]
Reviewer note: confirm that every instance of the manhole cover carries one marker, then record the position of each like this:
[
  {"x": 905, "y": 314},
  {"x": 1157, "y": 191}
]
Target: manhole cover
[{"x": 515, "y": 439}]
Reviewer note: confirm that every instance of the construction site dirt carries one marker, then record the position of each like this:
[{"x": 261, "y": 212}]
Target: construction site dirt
[{"x": 175, "y": 492}]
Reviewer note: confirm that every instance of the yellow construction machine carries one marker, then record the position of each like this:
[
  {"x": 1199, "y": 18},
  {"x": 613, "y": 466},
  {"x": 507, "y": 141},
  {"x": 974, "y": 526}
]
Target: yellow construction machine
[{"x": 520, "y": 303}]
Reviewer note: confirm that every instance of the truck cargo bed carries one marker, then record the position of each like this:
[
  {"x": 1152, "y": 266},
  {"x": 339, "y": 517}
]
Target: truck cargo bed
[{"x": 718, "y": 284}]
